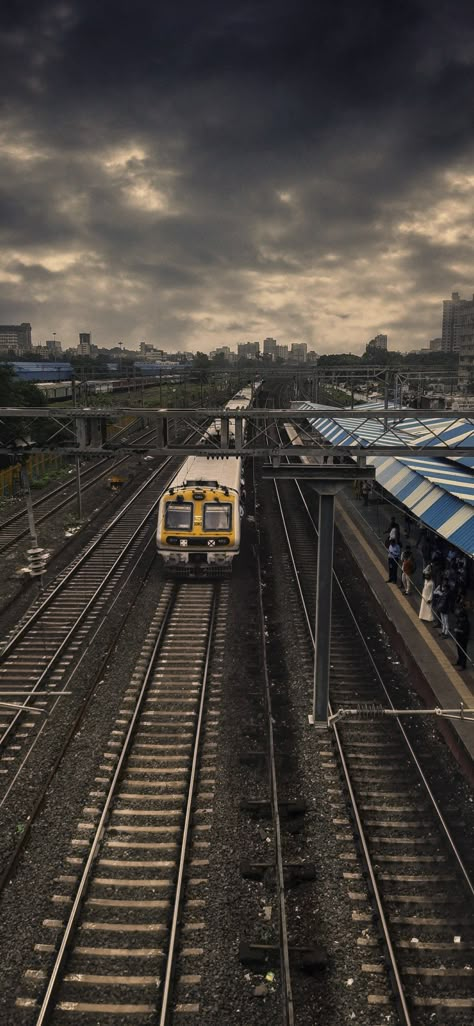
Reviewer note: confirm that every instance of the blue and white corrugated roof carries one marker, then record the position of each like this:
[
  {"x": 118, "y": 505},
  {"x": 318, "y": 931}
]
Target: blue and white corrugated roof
[{"x": 439, "y": 492}]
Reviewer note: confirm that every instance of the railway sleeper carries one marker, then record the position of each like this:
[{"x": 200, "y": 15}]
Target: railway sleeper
[
  {"x": 308, "y": 957},
  {"x": 293, "y": 807},
  {"x": 295, "y": 872}
]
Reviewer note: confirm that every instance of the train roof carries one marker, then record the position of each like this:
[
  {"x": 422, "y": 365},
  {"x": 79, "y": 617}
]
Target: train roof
[{"x": 217, "y": 473}]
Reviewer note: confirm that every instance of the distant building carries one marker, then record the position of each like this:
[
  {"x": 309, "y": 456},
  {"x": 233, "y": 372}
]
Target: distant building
[
  {"x": 380, "y": 342},
  {"x": 453, "y": 313},
  {"x": 270, "y": 347},
  {"x": 248, "y": 350},
  {"x": 299, "y": 352},
  {"x": 281, "y": 353},
  {"x": 15, "y": 338},
  {"x": 221, "y": 351},
  {"x": 84, "y": 347},
  {"x": 156, "y": 367},
  {"x": 312, "y": 357},
  {"x": 148, "y": 352},
  {"x": 54, "y": 347},
  {"x": 435, "y": 345},
  {"x": 42, "y": 371},
  {"x": 465, "y": 335}
]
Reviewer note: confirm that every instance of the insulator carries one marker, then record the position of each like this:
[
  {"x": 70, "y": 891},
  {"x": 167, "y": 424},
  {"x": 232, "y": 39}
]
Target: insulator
[
  {"x": 370, "y": 710},
  {"x": 37, "y": 561}
]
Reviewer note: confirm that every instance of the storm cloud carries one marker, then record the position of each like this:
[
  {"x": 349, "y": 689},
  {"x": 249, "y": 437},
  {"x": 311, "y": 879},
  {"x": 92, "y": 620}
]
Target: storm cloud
[{"x": 203, "y": 174}]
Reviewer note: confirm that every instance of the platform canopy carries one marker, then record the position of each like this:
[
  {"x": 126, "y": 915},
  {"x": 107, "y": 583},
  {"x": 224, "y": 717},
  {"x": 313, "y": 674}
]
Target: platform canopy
[{"x": 437, "y": 491}]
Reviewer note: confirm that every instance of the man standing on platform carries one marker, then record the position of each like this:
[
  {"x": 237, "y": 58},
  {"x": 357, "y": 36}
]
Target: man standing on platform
[
  {"x": 393, "y": 557},
  {"x": 461, "y": 633}
]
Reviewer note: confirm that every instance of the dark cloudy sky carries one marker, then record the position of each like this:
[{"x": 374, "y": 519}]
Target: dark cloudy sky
[{"x": 196, "y": 173}]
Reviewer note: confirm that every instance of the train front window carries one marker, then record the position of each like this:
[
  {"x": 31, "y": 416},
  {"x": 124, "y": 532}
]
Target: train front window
[
  {"x": 217, "y": 516},
  {"x": 179, "y": 516}
]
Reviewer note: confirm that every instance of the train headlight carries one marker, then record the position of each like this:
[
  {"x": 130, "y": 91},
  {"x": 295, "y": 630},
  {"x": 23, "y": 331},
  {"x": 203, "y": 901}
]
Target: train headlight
[{"x": 183, "y": 543}]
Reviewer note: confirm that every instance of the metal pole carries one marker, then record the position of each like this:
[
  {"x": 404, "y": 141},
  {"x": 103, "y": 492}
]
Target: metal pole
[
  {"x": 78, "y": 487},
  {"x": 25, "y": 483},
  {"x": 322, "y": 632}
]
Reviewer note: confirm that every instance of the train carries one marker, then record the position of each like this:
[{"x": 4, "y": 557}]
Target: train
[
  {"x": 199, "y": 514},
  {"x": 56, "y": 391}
]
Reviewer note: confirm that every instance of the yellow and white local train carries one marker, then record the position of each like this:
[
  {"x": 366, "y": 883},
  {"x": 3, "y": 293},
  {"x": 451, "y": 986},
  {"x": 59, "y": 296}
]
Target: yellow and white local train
[{"x": 198, "y": 531}]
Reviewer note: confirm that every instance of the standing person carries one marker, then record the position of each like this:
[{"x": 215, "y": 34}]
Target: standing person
[
  {"x": 426, "y": 612},
  {"x": 435, "y": 605},
  {"x": 393, "y": 557},
  {"x": 436, "y": 563},
  {"x": 394, "y": 531},
  {"x": 408, "y": 569},
  {"x": 422, "y": 533},
  {"x": 461, "y": 633},
  {"x": 443, "y": 609}
]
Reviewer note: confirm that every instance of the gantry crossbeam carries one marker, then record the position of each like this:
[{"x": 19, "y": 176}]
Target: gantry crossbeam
[{"x": 79, "y": 430}]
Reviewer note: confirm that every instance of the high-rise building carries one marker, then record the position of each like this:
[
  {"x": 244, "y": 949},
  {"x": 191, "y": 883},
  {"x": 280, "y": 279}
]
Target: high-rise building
[
  {"x": 53, "y": 346},
  {"x": 84, "y": 347},
  {"x": 299, "y": 351},
  {"x": 453, "y": 311},
  {"x": 465, "y": 338},
  {"x": 269, "y": 347},
  {"x": 281, "y": 353},
  {"x": 15, "y": 337},
  {"x": 379, "y": 342},
  {"x": 248, "y": 350}
]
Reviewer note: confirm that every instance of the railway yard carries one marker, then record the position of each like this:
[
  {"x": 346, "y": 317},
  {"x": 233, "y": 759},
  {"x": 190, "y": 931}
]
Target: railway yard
[{"x": 178, "y": 843}]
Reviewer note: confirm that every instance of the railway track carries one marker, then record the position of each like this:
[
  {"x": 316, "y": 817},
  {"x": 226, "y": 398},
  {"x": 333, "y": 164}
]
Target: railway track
[
  {"x": 14, "y": 528},
  {"x": 408, "y": 876},
  {"x": 127, "y": 929},
  {"x": 38, "y": 655}
]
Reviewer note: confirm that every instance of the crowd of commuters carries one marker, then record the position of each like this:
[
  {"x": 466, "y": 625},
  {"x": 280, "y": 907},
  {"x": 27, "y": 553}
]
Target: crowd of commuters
[
  {"x": 445, "y": 579},
  {"x": 446, "y": 573}
]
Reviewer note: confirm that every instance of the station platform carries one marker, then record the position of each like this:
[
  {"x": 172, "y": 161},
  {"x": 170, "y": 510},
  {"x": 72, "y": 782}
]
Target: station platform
[{"x": 430, "y": 660}]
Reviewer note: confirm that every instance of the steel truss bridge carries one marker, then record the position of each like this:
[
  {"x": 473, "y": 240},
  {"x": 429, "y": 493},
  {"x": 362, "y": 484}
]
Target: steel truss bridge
[{"x": 254, "y": 432}]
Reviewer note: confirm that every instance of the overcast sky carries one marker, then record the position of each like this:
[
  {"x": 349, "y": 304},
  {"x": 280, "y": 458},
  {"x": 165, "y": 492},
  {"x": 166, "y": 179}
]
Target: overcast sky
[{"x": 197, "y": 174}]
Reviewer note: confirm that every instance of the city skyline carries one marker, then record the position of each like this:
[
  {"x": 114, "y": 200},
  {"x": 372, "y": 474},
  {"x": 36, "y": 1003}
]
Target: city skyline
[{"x": 209, "y": 176}]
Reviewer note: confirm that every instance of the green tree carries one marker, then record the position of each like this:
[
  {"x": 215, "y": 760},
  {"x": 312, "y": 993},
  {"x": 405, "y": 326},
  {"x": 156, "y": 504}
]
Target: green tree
[{"x": 15, "y": 392}]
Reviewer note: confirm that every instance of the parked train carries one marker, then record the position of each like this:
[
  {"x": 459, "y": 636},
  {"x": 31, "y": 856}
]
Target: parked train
[
  {"x": 56, "y": 391},
  {"x": 198, "y": 530}
]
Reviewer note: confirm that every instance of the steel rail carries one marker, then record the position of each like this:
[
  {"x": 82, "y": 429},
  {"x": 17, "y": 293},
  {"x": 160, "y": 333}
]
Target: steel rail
[
  {"x": 400, "y": 994},
  {"x": 49, "y": 495},
  {"x": 172, "y": 945},
  {"x": 76, "y": 566},
  {"x": 60, "y": 649},
  {"x": 12, "y": 860},
  {"x": 96, "y": 841},
  {"x": 288, "y": 1004},
  {"x": 71, "y": 483},
  {"x": 445, "y": 829}
]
